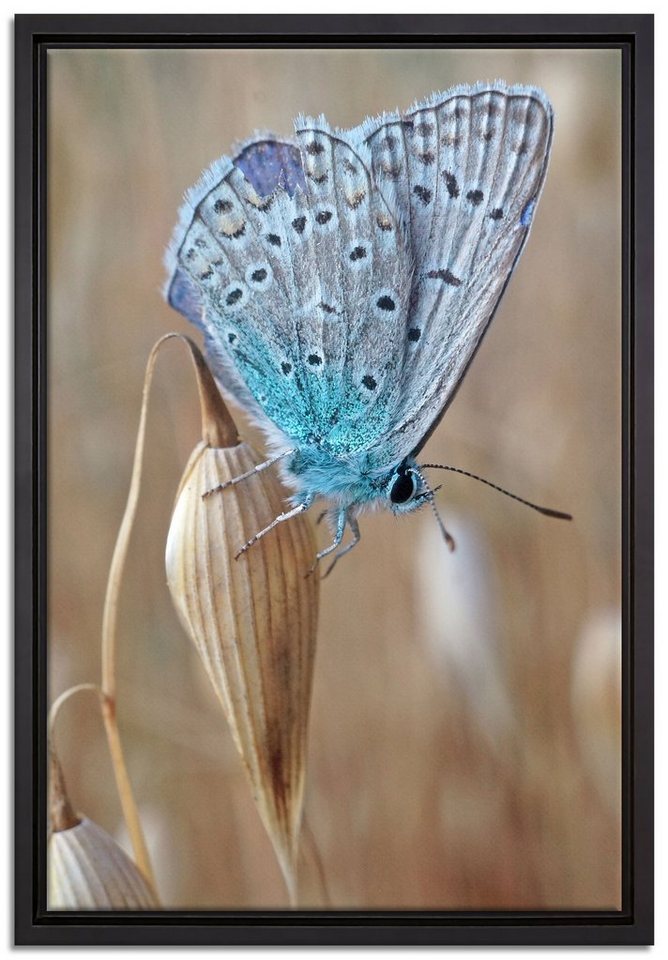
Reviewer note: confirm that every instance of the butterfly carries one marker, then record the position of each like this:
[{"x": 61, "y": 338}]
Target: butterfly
[{"x": 344, "y": 279}]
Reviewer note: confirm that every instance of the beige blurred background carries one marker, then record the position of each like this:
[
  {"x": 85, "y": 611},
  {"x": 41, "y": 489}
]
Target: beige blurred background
[{"x": 465, "y": 743}]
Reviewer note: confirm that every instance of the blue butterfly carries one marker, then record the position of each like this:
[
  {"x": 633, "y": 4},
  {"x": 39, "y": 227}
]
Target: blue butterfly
[{"x": 344, "y": 280}]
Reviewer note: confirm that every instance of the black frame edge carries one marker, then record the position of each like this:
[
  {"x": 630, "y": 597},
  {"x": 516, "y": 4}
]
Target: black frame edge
[
  {"x": 24, "y": 478},
  {"x": 641, "y": 456},
  {"x": 30, "y": 423}
]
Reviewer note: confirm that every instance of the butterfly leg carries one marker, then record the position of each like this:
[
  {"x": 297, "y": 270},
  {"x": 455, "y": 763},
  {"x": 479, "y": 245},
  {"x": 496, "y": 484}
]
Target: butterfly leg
[
  {"x": 249, "y": 473},
  {"x": 449, "y": 539},
  {"x": 338, "y": 537},
  {"x": 354, "y": 526},
  {"x": 281, "y": 518}
]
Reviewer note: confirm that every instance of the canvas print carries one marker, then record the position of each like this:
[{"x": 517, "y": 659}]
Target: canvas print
[{"x": 335, "y": 467}]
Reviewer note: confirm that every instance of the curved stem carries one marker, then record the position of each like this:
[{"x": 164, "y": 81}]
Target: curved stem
[
  {"x": 61, "y": 813},
  {"x": 218, "y": 430},
  {"x": 60, "y": 700}
]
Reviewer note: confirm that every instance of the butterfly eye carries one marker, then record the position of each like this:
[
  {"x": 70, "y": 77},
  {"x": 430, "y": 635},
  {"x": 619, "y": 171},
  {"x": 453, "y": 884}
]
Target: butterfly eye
[{"x": 404, "y": 487}]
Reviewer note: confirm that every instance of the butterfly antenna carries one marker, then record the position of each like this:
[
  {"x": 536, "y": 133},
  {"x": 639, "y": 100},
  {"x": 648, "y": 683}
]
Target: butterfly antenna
[
  {"x": 431, "y": 497},
  {"x": 546, "y": 511}
]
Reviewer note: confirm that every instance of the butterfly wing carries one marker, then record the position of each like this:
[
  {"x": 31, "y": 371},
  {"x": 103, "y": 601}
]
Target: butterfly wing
[
  {"x": 344, "y": 280},
  {"x": 204, "y": 257},
  {"x": 463, "y": 171},
  {"x": 293, "y": 265}
]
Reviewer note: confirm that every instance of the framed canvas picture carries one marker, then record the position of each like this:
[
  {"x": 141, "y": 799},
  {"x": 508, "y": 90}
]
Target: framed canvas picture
[{"x": 406, "y": 308}]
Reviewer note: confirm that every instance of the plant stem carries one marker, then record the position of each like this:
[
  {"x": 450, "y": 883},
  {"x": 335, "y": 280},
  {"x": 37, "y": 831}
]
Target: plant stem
[
  {"x": 207, "y": 391},
  {"x": 61, "y": 813}
]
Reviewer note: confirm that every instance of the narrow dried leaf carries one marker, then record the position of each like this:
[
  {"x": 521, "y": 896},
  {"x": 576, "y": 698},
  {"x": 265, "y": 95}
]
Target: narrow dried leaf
[{"x": 253, "y": 621}]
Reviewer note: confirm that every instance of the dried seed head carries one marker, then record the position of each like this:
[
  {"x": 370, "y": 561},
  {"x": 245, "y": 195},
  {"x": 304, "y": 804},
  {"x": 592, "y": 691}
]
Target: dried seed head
[
  {"x": 87, "y": 869},
  {"x": 253, "y": 622}
]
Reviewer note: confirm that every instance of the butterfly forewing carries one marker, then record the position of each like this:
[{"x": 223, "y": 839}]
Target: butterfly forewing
[
  {"x": 464, "y": 172},
  {"x": 364, "y": 266}
]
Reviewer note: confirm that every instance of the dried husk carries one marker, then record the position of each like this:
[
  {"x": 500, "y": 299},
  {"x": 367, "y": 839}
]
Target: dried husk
[
  {"x": 252, "y": 620},
  {"x": 87, "y": 870}
]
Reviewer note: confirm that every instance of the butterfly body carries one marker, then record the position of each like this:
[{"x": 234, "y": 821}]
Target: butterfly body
[
  {"x": 345, "y": 279},
  {"x": 354, "y": 482}
]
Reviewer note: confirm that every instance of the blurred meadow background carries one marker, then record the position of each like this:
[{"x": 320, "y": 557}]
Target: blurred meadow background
[{"x": 465, "y": 727}]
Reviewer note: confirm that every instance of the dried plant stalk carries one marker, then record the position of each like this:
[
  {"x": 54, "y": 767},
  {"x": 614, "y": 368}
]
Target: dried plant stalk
[
  {"x": 217, "y": 428},
  {"x": 253, "y": 622}
]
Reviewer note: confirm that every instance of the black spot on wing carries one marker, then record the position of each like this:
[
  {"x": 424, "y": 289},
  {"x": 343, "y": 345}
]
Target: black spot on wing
[
  {"x": 385, "y": 303},
  {"x": 497, "y": 213},
  {"x": 391, "y": 172},
  {"x": 233, "y": 297},
  {"x": 475, "y": 196},
  {"x": 427, "y": 157},
  {"x": 314, "y": 359},
  {"x": 424, "y": 128},
  {"x": 233, "y": 233},
  {"x": 356, "y": 199},
  {"x": 423, "y": 193},
  {"x": 369, "y": 382},
  {"x": 450, "y": 140},
  {"x": 298, "y": 224},
  {"x": 414, "y": 334},
  {"x": 263, "y": 204},
  {"x": 451, "y": 184},
  {"x": 446, "y": 276}
]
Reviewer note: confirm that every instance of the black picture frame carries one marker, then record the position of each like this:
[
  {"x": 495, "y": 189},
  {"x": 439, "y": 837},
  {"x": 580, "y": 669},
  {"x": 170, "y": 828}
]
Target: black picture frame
[{"x": 34, "y": 35}]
